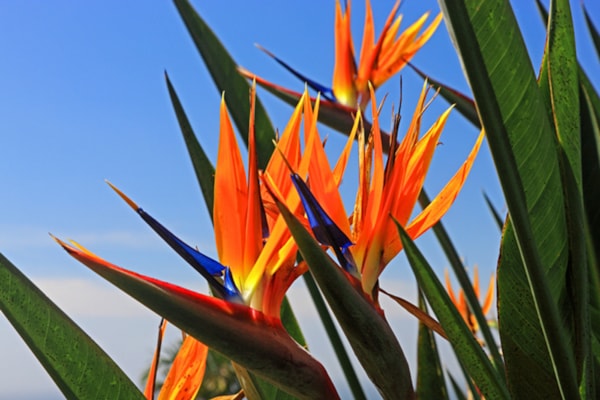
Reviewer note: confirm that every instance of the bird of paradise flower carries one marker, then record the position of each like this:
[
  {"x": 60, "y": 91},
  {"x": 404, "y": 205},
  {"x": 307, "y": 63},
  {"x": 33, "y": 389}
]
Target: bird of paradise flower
[
  {"x": 256, "y": 267},
  {"x": 378, "y": 60}
]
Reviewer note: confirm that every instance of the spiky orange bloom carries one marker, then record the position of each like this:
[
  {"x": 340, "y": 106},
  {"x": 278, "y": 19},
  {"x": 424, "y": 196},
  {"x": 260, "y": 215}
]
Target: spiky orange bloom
[
  {"x": 252, "y": 239},
  {"x": 379, "y": 60},
  {"x": 461, "y": 303},
  {"x": 387, "y": 189},
  {"x": 186, "y": 373},
  {"x": 256, "y": 251}
]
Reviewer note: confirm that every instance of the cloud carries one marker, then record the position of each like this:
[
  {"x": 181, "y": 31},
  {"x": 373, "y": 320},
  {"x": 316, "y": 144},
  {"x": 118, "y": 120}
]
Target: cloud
[{"x": 80, "y": 297}]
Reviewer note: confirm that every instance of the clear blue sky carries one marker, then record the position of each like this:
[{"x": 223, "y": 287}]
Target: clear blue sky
[{"x": 83, "y": 99}]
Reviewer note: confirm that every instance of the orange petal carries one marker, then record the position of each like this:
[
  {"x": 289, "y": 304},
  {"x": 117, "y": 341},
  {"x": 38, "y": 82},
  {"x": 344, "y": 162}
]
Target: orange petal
[
  {"x": 489, "y": 297},
  {"x": 395, "y": 56},
  {"x": 345, "y": 67},
  {"x": 253, "y": 235},
  {"x": 230, "y": 195},
  {"x": 151, "y": 382},
  {"x": 442, "y": 202},
  {"x": 187, "y": 371}
]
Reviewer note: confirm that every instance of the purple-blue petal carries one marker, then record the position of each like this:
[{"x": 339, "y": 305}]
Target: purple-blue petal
[
  {"x": 323, "y": 227},
  {"x": 326, "y": 92},
  {"x": 210, "y": 269},
  {"x": 230, "y": 286}
]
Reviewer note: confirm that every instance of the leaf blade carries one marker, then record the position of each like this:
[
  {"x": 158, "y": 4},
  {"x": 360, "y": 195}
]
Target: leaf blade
[
  {"x": 82, "y": 371},
  {"x": 223, "y": 70}
]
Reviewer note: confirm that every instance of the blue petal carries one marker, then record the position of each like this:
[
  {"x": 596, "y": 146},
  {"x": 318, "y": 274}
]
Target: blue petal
[
  {"x": 229, "y": 285},
  {"x": 323, "y": 227},
  {"x": 206, "y": 266},
  {"x": 326, "y": 92}
]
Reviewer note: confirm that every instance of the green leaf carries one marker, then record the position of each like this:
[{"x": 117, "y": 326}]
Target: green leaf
[
  {"x": 495, "y": 213},
  {"x": 467, "y": 350},
  {"x": 334, "y": 338},
  {"x": 457, "y": 389},
  {"x": 465, "y": 283},
  {"x": 223, "y": 70},
  {"x": 592, "y": 29},
  {"x": 78, "y": 366},
  {"x": 590, "y": 147},
  {"x": 205, "y": 171},
  {"x": 430, "y": 376},
  {"x": 369, "y": 334},
  {"x": 246, "y": 336},
  {"x": 523, "y": 145},
  {"x": 559, "y": 86}
]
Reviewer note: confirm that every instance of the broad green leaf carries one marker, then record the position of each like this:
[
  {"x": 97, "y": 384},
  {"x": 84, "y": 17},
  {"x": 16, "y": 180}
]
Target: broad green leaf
[
  {"x": 466, "y": 348},
  {"x": 78, "y": 366},
  {"x": 462, "y": 103},
  {"x": 334, "y": 338},
  {"x": 558, "y": 83},
  {"x": 430, "y": 376},
  {"x": 369, "y": 334},
  {"x": 590, "y": 142},
  {"x": 205, "y": 171},
  {"x": 223, "y": 70},
  {"x": 590, "y": 148},
  {"x": 534, "y": 255},
  {"x": 246, "y": 336}
]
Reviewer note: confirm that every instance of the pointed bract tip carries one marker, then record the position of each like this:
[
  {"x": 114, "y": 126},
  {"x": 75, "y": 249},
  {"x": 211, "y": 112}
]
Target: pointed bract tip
[{"x": 131, "y": 203}]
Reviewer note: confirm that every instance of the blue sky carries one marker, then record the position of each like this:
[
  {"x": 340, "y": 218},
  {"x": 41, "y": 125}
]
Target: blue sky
[{"x": 83, "y": 99}]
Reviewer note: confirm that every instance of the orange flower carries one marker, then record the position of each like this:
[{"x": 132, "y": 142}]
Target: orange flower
[
  {"x": 461, "y": 304},
  {"x": 386, "y": 189},
  {"x": 379, "y": 60}
]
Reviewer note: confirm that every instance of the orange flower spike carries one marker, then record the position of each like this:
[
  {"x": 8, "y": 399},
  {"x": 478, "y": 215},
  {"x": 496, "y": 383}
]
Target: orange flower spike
[
  {"x": 253, "y": 237},
  {"x": 342, "y": 162},
  {"x": 231, "y": 190},
  {"x": 344, "y": 71},
  {"x": 489, "y": 297},
  {"x": 187, "y": 371},
  {"x": 323, "y": 182},
  {"x": 395, "y": 56},
  {"x": 439, "y": 205},
  {"x": 151, "y": 381},
  {"x": 461, "y": 304},
  {"x": 371, "y": 52},
  {"x": 288, "y": 146}
]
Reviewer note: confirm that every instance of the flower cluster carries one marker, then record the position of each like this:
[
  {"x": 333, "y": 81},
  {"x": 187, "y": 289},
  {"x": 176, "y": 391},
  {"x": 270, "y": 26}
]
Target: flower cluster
[{"x": 257, "y": 250}]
